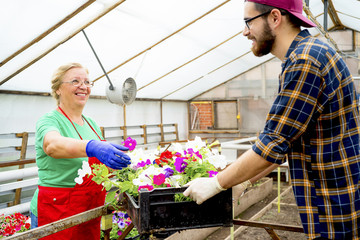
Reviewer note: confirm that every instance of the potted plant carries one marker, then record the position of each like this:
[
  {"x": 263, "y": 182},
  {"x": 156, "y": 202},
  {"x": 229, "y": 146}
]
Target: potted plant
[
  {"x": 152, "y": 187},
  {"x": 14, "y": 223}
]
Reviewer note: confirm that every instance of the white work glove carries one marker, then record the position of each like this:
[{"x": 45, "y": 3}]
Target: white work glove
[
  {"x": 201, "y": 189},
  {"x": 239, "y": 190}
]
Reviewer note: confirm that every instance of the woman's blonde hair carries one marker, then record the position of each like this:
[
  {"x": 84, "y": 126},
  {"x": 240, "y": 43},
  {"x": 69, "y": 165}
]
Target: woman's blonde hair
[{"x": 58, "y": 76}]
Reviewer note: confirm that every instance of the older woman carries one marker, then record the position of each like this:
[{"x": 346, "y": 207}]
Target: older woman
[{"x": 64, "y": 139}]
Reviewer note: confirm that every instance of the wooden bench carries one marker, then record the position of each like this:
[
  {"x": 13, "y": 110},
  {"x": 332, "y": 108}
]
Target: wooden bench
[{"x": 18, "y": 177}]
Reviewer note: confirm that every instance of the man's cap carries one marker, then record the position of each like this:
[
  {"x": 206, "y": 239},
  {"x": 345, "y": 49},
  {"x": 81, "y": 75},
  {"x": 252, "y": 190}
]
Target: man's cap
[{"x": 294, "y": 7}]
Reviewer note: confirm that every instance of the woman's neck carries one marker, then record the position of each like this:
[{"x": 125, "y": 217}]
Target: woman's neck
[{"x": 75, "y": 114}]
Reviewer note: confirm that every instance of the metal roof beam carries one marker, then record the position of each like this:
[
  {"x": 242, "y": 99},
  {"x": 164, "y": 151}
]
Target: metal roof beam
[
  {"x": 162, "y": 40},
  {"x": 325, "y": 15},
  {"x": 320, "y": 28},
  {"x": 48, "y": 31},
  {"x": 333, "y": 14},
  {"x": 211, "y": 49},
  {"x": 235, "y": 59},
  {"x": 255, "y": 66},
  {"x": 100, "y": 15}
]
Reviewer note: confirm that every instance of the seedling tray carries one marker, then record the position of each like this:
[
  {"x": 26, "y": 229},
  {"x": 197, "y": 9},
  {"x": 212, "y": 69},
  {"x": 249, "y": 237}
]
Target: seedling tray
[{"x": 156, "y": 211}]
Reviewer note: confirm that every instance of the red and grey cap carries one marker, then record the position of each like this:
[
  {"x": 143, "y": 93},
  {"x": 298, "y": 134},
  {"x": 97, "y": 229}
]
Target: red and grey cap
[{"x": 294, "y": 7}]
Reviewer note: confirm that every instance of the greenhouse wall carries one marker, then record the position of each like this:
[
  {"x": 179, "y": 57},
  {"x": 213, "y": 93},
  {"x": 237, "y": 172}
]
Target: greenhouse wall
[
  {"x": 256, "y": 89},
  {"x": 20, "y": 113}
]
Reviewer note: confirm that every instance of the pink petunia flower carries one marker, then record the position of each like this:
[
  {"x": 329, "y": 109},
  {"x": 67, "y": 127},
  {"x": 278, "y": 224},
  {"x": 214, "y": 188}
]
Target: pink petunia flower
[
  {"x": 130, "y": 143},
  {"x": 159, "y": 179}
]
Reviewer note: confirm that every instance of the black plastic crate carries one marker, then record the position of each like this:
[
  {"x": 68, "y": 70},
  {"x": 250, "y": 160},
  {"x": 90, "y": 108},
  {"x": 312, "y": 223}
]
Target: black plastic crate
[{"x": 156, "y": 211}]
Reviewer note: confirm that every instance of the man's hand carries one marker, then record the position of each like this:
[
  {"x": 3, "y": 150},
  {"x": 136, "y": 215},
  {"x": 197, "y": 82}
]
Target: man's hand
[
  {"x": 109, "y": 154},
  {"x": 201, "y": 189}
]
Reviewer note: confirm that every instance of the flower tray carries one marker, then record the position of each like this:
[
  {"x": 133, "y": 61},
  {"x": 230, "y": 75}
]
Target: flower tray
[{"x": 156, "y": 211}]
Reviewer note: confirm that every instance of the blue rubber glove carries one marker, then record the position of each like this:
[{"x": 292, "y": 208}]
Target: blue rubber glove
[{"x": 109, "y": 154}]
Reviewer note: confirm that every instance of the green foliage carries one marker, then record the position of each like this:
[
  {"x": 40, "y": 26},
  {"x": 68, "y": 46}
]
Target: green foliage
[
  {"x": 179, "y": 197},
  {"x": 186, "y": 165},
  {"x": 110, "y": 197},
  {"x": 120, "y": 218},
  {"x": 195, "y": 170}
]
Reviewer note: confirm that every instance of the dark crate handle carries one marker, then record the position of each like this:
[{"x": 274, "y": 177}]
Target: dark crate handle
[{"x": 157, "y": 191}]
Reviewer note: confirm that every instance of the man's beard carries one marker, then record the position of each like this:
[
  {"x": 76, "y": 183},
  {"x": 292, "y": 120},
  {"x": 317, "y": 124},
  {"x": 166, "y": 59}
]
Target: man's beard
[{"x": 264, "y": 43}]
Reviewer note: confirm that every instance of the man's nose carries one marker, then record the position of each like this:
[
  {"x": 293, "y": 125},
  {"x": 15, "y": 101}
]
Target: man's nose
[{"x": 246, "y": 31}]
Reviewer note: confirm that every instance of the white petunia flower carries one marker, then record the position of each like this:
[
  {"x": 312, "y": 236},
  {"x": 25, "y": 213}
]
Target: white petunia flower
[
  {"x": 177, "y": 147},
  {"x": 175, "y": 180},
  {"x": 146, "y": 175},
  {"x": 79, "y": 180},
  {"x": 196, "y": 144},
  {"x": 155, "y": 152},
  {"x": 139, "y": 155},
  {"x": 206, "y": 153},
  {"x": 82, "y": 172},
  {"x": 215, "y": 151},
  {"x": 86, "y": 167},
  {"x": 142, "y": 180},
  {"x": 151, "y": 171},
  {"x": 218, "y": 161}
]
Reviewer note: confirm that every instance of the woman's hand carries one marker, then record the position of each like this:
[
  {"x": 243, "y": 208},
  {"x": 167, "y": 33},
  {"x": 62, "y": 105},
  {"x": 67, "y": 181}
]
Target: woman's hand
[{"x": 109, "y": 154}]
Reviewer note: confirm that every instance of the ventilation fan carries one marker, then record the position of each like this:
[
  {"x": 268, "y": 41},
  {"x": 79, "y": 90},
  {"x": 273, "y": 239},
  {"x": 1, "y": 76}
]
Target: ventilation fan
[{"x": 121, "y": 92}]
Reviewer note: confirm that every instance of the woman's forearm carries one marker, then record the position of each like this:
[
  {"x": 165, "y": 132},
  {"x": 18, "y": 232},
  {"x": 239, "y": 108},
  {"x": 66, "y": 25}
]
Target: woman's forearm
[{"x": 57, "y": 146}]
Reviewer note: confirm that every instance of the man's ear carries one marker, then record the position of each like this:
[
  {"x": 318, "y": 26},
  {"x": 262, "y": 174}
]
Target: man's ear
[{"x": 275, "y": 18}]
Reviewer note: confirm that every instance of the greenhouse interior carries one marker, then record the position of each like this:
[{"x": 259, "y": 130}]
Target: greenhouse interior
[{"x": 166, "y": 74}]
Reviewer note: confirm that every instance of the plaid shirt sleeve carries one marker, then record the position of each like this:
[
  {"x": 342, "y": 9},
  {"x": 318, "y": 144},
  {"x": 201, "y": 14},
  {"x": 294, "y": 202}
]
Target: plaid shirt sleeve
[
  {"x": 299, "y": 101},
  {"x": 315, "y": 120}
]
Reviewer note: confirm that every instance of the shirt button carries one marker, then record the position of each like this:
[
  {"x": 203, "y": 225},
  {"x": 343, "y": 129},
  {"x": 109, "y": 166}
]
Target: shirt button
[{"x": 54, "y": 199}]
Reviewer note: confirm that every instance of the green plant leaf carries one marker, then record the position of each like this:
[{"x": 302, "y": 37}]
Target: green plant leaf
[
  {"x": 107, "y": 185},
  {"x": 110, "y": 197}
]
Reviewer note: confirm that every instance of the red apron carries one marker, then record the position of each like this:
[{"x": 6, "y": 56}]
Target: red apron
[{"x": 58, "y": 203}]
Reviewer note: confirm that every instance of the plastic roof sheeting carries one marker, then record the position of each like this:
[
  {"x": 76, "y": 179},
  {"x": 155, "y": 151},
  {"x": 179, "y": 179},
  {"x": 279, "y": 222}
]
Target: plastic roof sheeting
[
  {"x": 348, "y": 13},
  {"x": 173, "y": 49}
]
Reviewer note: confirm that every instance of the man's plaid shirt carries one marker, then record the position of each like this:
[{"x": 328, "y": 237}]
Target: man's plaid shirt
[{"x": 315, "y": 120}]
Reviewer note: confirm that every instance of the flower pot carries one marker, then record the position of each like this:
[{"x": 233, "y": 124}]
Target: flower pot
[{"x": 156, "y": 211}]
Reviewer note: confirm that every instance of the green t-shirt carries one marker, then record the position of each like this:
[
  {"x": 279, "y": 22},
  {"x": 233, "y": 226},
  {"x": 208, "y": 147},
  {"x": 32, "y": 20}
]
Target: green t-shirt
[{"x": 59, "y": 172}]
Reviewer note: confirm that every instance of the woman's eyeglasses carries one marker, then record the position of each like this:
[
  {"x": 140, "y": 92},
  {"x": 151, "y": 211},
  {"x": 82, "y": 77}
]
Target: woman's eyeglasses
[{"x": 77, "y": 83}]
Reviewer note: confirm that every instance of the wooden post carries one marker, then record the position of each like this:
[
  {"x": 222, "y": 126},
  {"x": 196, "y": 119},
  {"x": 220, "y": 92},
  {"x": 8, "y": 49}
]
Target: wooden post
[
  {"x": 126, "y": 232},
  {"x": 189, "y": 120},
  {"x": 176, "y": 131},
  {"x": 102, "y": 131},
  {"x": 161, "y": 126},
  {"x": 106, "y": 225},
  {"x": 25, "y": 137},
  {"x": 124, "y": 132},
  {"x": 144, "y": 134},
  {"x": 161, "y": 111},
  {"x": 238, "y": 116},
  {"x": 106, "y": 234},
  {"x": 124, "y": 128}
]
